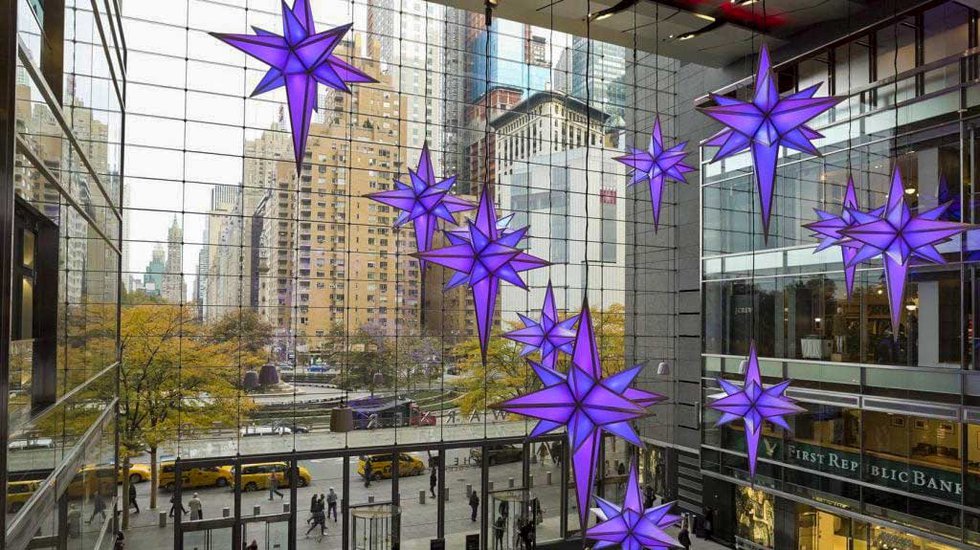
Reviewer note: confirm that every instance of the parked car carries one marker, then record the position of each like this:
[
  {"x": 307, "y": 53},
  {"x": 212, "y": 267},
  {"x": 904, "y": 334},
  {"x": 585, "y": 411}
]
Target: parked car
[
  {"x": 209, "y": 476},
  {"x": 255, "y": 477},
  {"x": 408, "y": 465},
  {"x": 31, "y": 443},
  {"x": 293, "y": 427},
  {"x": 19, "y": 492},
  {"x": 252, "y": 431},
  {"x": 498, "y": 454}
]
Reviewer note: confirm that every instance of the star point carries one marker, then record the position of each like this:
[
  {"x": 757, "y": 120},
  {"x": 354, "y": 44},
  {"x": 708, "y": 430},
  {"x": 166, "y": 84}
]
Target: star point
[
  {"x": 765, "y": 124},
  {"x": 630, "y": 525},
  {"x": 656, "y": 165},
  {"x": 586, "y": 404},
  {"x": 423, "y": 200},
  {"x": 754, "y": 404},
  {"x": 298, "y": 60}
]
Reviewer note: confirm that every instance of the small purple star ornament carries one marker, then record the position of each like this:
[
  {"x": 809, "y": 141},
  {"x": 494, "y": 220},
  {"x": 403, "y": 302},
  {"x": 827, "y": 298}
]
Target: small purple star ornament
[
  {"x": 298, "y": 60},
  {"x": 656, "y": 165},
  {"x": 549, "y": 336},
  {"x": 898, "y": 235},
  {"x": 586, "y": 404},
  {"x": 754, "y": 404},
  {"x": 765, "y": 124},
  {"x": 424, "y": 200},
  {"x": 483, "y": 256},
  {"x": 630, "y": 526}
]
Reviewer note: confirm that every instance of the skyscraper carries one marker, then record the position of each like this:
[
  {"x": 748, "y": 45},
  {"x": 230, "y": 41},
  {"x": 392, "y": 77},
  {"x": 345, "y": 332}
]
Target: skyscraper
[
  {"x": 173, "y": 289},
  {"x": 605, "y": 76}
]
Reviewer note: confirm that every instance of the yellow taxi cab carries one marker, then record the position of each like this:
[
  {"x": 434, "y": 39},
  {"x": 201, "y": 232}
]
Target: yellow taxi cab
[
  {"x": 209, "y": 476},
  {"x": 256, "y": 476},
  {"x": 19, "y": 492},
  {"x": 138, "y": 473},
  {"x": 408, "y": 465},
  {"x": 93, "y": 478}
]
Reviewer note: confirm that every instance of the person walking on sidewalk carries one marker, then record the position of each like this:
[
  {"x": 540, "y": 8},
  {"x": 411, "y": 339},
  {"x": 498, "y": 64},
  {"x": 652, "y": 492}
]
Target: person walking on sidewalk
[
  {"x": 132, "y": 498},
  {"x": 368, "y": 471},
  {"x": 98, "y": 508},
  {"x": 318, "y": 519},
  {"x": 331, "y": 504},
  {"x": 197, "y": 507},
  {"x": 474, "y": 505},
  {"x": 176, "y": 503},
  {"x": 684, "y": 537},
  {"x": 433, "y": 482},
  {"x": 274, "y": 486}
]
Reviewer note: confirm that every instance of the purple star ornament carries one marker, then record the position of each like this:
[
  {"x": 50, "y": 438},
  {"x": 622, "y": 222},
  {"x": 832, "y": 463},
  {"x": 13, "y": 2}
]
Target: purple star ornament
[
  {"x": 753, "y": 404},
  {"x": 898, "y": 236},
  {"x": 549, "y": 336},
  {"x": 424, "y": 200},
  {"x": 483, "y": 256},
  {"x": 655, "y": 165},
  {"x": 763, "y": 125},
  {"x": 630, "y": 526},
  {"x": 586, "y": 404},
  {"x": 298, "y": 60},
  {"x": 829, "y": 228}
]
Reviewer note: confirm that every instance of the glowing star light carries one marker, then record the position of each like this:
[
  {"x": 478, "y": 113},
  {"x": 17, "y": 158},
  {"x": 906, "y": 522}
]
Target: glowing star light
[
  {"x": 763, "y": 125},
  {"x": 587, "y": 404},
  {"x": 754, "y": 404},
  {"x": 549, "y": 336},
  {"x": 298, "y": 60},
  {"x": 830, "y": 226},
  {"x": 655, "y": 165},
  {"x": 482, "y": 256},
  {"x": 898, "y": 235},
  {"x": 423, "y": 201},
  {"x": 629, "y": 526}
]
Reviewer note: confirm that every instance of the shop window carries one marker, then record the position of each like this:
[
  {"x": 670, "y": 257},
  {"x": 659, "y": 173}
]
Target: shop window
[
  {"x": 34, "y": 306},
  {"x": 755, "y": 512}
]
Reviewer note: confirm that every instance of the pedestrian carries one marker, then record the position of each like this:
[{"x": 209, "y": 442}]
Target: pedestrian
[
  {"x": 253, "y": 545},
  {"x": 649, "y": 497},
  {"x": 176, "y": 503},
  {"x": 684, "y": 537},
  {"x": 331, "y": 504},
  {"x": 543, "y": 453},
  {"x": 474, "y": 504},
  {"x": 526, "y": 532},
  {"x": 274, "y": 485},
  {"x": 98, "y": 508},
  {"x": 197, "y": 507},
  {"x": 318, "y": 519},
  {"x": 74, "y": 519},
  {"x": 313, "y": 503},
  {"x": 621, "y": 468},
  {"x": 120, "y": 543},
  {"x": 498, "y": 533},
  {"x": 132, "y": 498},
  {"x": 433, "y": 481},
  {"x": 368, "y": 471}
]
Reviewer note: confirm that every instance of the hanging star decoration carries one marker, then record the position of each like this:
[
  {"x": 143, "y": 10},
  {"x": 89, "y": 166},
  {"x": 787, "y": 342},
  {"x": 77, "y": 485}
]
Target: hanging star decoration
[
  {"x": 298, "y": 60},
  {"x": 483, "y": 256},
  {"x": 754, "y": 404},
  {"x": 829, "y": 228},
  {"x": 630, "y": 526},
  {"x": 763, "y": 125},
  {"x": 587, "y": 404},
  {"x": 424, "y": 200},
  {"x": 898, "y": 235},
  {"x": 655, "y": 165},
  {"x": 549, "y": 335}
]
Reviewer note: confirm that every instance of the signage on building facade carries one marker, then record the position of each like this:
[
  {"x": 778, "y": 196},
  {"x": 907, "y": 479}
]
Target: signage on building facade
[{"x": 881, "y": 471}]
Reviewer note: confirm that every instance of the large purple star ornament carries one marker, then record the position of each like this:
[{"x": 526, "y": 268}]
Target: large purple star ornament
[
  {"x": 765, "y": 124},
  {"x": 829, "y": 228},
  {"x": 298, "y": 60},
  {"x": 898, "y": 236},
  {"x": 483, "y": 256},
  {"x": 548, "y": 336},
  {"x": 754, "y": 404},
  {"x": 586, "y": 404},
  {"x": 655, "y": 165},
  {"x": 424, "y": 200},
  {"x": 630, "y": 526}
]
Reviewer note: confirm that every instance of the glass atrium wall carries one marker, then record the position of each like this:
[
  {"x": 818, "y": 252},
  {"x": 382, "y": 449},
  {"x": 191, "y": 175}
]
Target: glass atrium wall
[
  {"x": 887, "y": 432},
  {"x": 61, "y": 359},
  {"x": 275, "y": 297}
]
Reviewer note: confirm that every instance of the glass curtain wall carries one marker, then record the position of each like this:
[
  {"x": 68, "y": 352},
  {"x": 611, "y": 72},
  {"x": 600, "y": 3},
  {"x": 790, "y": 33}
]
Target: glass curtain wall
[
  {"x": 884, "y": 430},
  {"x": 273, "y": 297}
]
